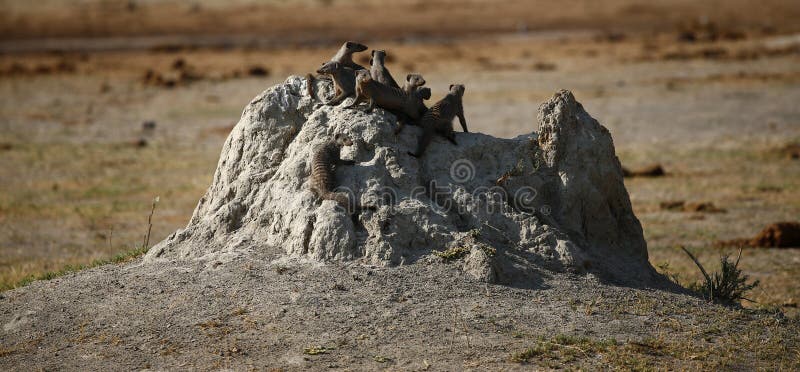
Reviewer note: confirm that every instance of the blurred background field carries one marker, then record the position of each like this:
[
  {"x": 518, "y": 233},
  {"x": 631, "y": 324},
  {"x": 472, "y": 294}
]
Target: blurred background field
[{"x": 108, "y": 104}]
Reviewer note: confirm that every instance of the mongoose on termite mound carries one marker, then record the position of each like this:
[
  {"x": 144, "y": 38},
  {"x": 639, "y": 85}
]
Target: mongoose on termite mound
[
  {"x": 345, "y": 54},
  {"x": 406, "y": 107},
  {"x": 323, "y": 169},
  {"x": 439, "y": 119},
  {"x": 378, "y": 70},
  {"x": 423, "y": 93},
  {"x": 413, "y": 85},
  {"x": 413, "y": 81},
  {"x": 344, "y": 81},
  {"x": 345, "y": 57}
]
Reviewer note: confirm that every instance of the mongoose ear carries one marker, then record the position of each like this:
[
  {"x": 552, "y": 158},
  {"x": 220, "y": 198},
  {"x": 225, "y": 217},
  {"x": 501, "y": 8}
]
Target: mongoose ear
[
  {"x": 408, "y": 77},
  {"x": 337, "y": 136},
  {"x": 451, "y": 87}
]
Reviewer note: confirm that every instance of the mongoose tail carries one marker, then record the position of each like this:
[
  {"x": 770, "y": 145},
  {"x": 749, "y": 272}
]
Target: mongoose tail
[
  {"x": 424, "y": 141},
  {"x": 310, "y": 85}
]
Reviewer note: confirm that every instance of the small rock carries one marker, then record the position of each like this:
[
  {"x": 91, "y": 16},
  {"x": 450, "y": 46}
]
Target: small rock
[
  {"x": 178, "y": 64},
  {"x": 778, "y": 235},
  {"x": 258, "y": 71},
  {"x": 655, "y": 170},
  {"x": 479, "y": 264}
]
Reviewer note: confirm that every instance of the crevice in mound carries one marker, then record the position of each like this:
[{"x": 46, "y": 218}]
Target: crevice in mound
[
  {"x": 308, "y": 232},
  {"x": 362, "y": 235},
  {"x": 462, "y": 222}
]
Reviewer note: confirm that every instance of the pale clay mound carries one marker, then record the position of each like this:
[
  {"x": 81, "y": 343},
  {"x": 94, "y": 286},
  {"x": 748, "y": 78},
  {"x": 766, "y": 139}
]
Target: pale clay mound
[{"x": 553, "y": 200}]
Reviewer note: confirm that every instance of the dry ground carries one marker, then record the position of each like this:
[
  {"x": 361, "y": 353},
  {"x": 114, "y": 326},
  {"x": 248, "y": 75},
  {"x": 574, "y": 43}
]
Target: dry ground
[{"x": 256, "y": 314}]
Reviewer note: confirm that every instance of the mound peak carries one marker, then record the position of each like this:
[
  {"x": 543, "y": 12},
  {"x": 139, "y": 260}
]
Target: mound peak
[{"x": 553, "y": 199}]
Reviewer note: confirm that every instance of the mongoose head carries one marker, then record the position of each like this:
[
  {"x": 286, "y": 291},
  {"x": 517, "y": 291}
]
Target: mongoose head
[
  {"x": 378, "y": 56},
  {"x": 354, "y": 47},
  {"x": 329, "y": 67},
  {"x": 363, "y": 76},
  {"x": 457, "y": 89},
  {"x": 424, "y": 93},
  {"x": 415, "y": 80},
  {"x": 342, "y": 140}
]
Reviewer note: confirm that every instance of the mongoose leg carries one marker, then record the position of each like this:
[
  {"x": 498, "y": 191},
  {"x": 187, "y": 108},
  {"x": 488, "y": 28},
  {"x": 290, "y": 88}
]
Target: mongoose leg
[
  {"x": 452, "y": 138},
  {"x": 337, "y": 100},
  {"x": 450, "y": 134},
  {"x": 462, "y": 121},
  {"x": 370, "y": 105},
  {"x": 359, "y": 98}
]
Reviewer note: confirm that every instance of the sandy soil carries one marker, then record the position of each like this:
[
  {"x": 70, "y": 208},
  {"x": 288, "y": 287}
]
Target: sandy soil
[{"x": 252, "y": 314}]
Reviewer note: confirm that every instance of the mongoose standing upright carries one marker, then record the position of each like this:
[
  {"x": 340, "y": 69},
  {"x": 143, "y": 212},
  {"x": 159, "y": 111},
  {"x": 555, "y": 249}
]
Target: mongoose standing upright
[
  {"x": 344, "y": 81},
  {"x": 323, "y": 168},
  {"x": 439, "y": 119},
  {"x": 378, "y": 70},
  {"x": 343, "y": 56}
]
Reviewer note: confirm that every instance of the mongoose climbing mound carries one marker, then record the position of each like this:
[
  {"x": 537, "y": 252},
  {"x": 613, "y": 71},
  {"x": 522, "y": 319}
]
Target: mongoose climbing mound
[{"x": 507, "y": 210}]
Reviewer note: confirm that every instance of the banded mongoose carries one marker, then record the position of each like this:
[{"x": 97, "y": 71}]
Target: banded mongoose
[
  {"x": 406, "y": 107},
  {"x": 378, "y": 70},
  {"x": 439, "y": 119},
  {"x": 423, "y": 93},
  {"x": 343, "y": 56},
  {"x": 344, "y": 81},
  {"x": 414, "y": 85},
  {"x": 323, "y": 169},
  {"x": 413, "y": 81}
]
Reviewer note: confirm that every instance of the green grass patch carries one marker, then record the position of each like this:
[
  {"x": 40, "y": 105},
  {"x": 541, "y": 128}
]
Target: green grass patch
[
  {"x": 453, "y": 253},
  {"x": 561, "y": 349},
  {"x": 117, "y": 259},
  {"x": 315, "y": 350}
]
